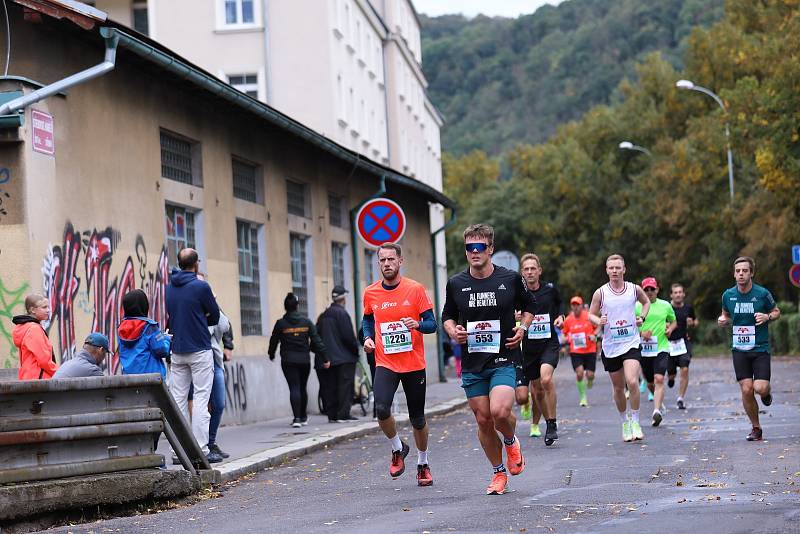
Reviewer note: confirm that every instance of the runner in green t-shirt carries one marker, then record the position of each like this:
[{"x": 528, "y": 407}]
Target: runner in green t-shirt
[
  {"x": 750, "y": 307},
  {"x": 655, "y": 331}
]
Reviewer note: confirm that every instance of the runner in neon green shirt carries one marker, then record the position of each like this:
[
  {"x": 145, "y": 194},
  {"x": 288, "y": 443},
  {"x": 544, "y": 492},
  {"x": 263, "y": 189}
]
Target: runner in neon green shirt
[{"x": 657, "y": 326}]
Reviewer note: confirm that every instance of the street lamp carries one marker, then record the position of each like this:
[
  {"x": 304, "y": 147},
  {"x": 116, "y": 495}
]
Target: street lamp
[
  {"x": 627, "y": 145},
  {"x": 686, "y": 84}
]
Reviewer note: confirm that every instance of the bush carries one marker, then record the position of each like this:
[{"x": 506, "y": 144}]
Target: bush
[
  {"x": 708, "y": 333},
  {"x": 793, "y": 327},
  {"x": 779, "y": 337},
  {"x": 787, "y": 307}
]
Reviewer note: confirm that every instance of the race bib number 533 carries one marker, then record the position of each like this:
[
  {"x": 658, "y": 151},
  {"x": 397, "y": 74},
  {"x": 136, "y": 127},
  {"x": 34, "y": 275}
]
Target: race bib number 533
[
  {"x": 483, "y": 336},
  {"x": 744, "y": 337}
]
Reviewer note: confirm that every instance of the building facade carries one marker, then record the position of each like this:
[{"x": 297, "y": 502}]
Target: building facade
[{"x": 104, "y": 183}]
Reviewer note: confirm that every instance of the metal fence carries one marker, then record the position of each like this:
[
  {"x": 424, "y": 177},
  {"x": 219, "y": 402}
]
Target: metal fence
[{"x": 81, "y": 426}]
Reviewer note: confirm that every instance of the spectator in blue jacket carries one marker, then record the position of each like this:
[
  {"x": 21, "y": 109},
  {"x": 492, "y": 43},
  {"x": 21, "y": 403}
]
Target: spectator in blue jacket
[
  {"x": 191, "y": 309},
  {"x": 141, "y": 344}
]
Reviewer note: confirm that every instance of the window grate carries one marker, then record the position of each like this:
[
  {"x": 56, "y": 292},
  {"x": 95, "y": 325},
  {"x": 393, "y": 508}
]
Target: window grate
[
  {"x": 297, "y": 252},
  {"x": 244, "y": 181},
  {"x": 176, "y": 159},
  {"x": 296, "y": 200},
  {"x": 338, "y": 251},
  {"x": 335, "y": 205},
  {"x": 249, "y": 284}
]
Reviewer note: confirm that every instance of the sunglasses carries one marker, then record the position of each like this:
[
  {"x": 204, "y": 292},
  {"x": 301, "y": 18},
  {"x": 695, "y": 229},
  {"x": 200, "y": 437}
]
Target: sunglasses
[
  {"x": 476, "y": 247},
  {"x": 651, "y": 289}
]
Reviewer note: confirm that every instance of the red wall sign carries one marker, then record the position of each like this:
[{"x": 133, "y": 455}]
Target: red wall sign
[
  {"x": 44, "y": 140},
  {"x": 381, "y": 221}
]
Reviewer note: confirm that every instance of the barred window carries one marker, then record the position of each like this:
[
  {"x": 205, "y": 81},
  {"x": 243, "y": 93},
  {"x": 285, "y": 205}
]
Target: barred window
[
  {"x": 180, "y": 232},
  {"x": 297, "y": 252},
  {"x": 249, "y": 287},
  {"x": 338, "y": 251},
  {"x": 245, "y": 181},
  {"x": 336, "y": 209},
  {"x": 180, "y": 159},
  {"x": 370, "y": 267},
  {"x": 297, "y": 198}
]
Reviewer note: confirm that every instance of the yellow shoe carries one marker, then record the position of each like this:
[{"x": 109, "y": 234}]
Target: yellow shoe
[
  {"x": 535, "y": 432},
  {"x": 525, "y": 411}
]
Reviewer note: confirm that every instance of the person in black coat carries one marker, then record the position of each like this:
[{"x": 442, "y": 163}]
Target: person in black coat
[
  {"x": 296, "y": 334},
  {"x": 337, "y": 383}
]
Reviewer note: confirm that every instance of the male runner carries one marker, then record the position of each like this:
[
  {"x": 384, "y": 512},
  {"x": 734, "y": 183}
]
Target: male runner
[
  {"x": 540, "y": 347},
  {"x": 680, "y": 347},
  {"x": 654, "y": 346},
  {"x": 751, "y": 307},
  {"x": 397, "y": 312},
  {"x": 616, "y": 302},
  {"x": 582, "y": 337},
  {"x": 479, "y": 312}
]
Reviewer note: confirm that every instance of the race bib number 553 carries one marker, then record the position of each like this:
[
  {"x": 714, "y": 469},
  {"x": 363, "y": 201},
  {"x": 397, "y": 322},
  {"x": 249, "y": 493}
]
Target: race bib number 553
[
  {"x": 396, "y": 337},
  {"x": 483, "y": 336}
]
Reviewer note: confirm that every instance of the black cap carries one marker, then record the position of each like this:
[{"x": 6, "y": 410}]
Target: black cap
[
  {"x": 338, "y": 291},
  {"x": 291, "y": 302}
]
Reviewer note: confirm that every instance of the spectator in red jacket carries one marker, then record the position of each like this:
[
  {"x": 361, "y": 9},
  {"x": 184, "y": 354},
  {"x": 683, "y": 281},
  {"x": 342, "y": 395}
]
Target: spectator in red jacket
[{"x": 36, "y": 359}]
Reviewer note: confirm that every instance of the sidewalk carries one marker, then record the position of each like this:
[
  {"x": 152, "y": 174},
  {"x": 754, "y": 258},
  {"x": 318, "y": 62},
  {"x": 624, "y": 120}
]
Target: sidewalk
[{"x": 256, "y": 446}]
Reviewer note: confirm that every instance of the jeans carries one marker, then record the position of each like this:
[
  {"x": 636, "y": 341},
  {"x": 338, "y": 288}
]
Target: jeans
[
  {"x": 297, "y": 378},
  {"x": 217, "y": 403},
  {"x": 193, "y": 368}
]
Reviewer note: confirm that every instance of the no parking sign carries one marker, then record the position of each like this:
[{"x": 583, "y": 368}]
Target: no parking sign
[{"x": 381, "y": 221}]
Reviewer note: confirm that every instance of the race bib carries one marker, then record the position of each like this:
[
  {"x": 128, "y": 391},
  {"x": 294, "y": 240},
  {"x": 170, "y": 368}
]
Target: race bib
[
  {"x": 649, "y": 346},
  {"x": 744, "y": 337},
  {"x": 621, "y": 331},
  {"x": 483, "y": 336},
  {"x": 396, "y": 337},
  {"x": 540, "y": 327},
  {"x": 677, "y": 347},
  {"x": 578, "y": 340}
]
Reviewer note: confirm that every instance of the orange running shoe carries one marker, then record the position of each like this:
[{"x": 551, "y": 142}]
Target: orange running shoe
[
  {"x": 398, "y": 465},
  {"x": 516, "y": 462},
  {"x": 499, "y": 484},
  {"x": 424, "y": 477}
]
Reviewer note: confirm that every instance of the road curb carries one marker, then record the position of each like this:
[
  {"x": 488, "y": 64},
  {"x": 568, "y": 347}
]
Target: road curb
[{"x": 271, "y": 457}]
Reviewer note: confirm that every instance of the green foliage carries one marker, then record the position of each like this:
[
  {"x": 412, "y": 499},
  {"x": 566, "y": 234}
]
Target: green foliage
[
  {"x": 505, "y": 81},
  {"x": 577, "y": 198},
  {"x": 793, "y": 332}
]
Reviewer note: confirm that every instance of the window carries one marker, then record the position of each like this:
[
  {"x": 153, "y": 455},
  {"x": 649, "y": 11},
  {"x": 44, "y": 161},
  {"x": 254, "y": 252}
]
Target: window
[
  {"x": 297, "y": 198},
  {"x": 336, "y": 209},
  {"x": 370, "y": 266},
  {"x": 297, "y": 254},
  {"x": 246, "y": 181},
  {"x": 139, "y": 17},
  {"x": 246, "y": 83},
  {"x": 239, "y": 12},
  {"x": 338, "y": 251},
  {"x": 249, "y": 287},
  {"x": 180, "y": 159},
  {"x": 180, "y": 232}
]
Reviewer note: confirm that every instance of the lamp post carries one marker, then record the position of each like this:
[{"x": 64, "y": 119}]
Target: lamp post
[
  {"x": 686, "y": 84},
  {"x": 627, "y": 145}
]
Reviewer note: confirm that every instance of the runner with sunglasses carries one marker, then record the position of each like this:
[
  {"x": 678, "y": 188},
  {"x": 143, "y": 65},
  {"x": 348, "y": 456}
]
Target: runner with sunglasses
[
  {"x": 479, "y": 313},
  {"x": 655, "y": 330},
  {"x": 614, "y": 307}
]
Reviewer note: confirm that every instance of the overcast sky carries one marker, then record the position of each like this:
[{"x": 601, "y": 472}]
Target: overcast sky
[{"x": 470, "y": 8}]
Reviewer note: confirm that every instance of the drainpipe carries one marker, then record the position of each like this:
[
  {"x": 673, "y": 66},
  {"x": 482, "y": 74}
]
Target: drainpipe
[
  {"x": 437, "y": 302},
  {"x": 356, "y": 241},
  {"x": 107, "y": 65}
]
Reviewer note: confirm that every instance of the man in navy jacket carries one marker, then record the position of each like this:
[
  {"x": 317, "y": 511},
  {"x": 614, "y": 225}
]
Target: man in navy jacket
[
  {"x": 337, "y": 383},
  {"x": 191, "y": 309}
]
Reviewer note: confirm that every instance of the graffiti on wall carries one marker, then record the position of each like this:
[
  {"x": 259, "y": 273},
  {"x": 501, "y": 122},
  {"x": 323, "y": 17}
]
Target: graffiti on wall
[
  {"x": 102, "y": 293},
  {"x": 5, "y": 196},
  {"x": 235, "y": 387},
  {"x": 9, "y": 300}
]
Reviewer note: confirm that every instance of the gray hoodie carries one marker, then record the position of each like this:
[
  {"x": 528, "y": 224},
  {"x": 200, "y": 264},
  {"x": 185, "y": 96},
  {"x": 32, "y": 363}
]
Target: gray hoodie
[{"x": 216, "y": 332}]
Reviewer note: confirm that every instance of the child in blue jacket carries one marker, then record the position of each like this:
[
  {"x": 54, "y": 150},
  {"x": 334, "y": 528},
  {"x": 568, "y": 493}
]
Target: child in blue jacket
[{"x": 142, "y": 345}]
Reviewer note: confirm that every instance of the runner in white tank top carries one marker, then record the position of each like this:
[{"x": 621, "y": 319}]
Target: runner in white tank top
[
  {"x": 620, "y": 333},
  {"x": 614, "y": 307}
]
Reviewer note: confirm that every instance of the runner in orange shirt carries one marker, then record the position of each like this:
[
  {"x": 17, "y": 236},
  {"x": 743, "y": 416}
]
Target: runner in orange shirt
[
  {"x": 582, "y": 336},
  {"x": 397, "y": 311}
]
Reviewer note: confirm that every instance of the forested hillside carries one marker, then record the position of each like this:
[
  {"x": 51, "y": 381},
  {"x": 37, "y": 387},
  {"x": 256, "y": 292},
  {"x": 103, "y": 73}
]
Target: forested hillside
[
  {"x": 577, "y": 197},
  {"x": 501, "y": 82}
]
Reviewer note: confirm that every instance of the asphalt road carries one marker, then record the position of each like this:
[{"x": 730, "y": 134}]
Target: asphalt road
[{"x": 694, "y": 473}]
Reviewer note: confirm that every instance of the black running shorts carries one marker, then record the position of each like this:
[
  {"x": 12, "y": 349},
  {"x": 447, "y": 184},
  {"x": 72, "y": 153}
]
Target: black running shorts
[
  {"x": 656, "y": 365},
  {"x": 587, "y": 361},
  {"x": 753, "y": 365},
  {"x": 612, "y": 365},
  {"x": 532, "y": 362}
]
